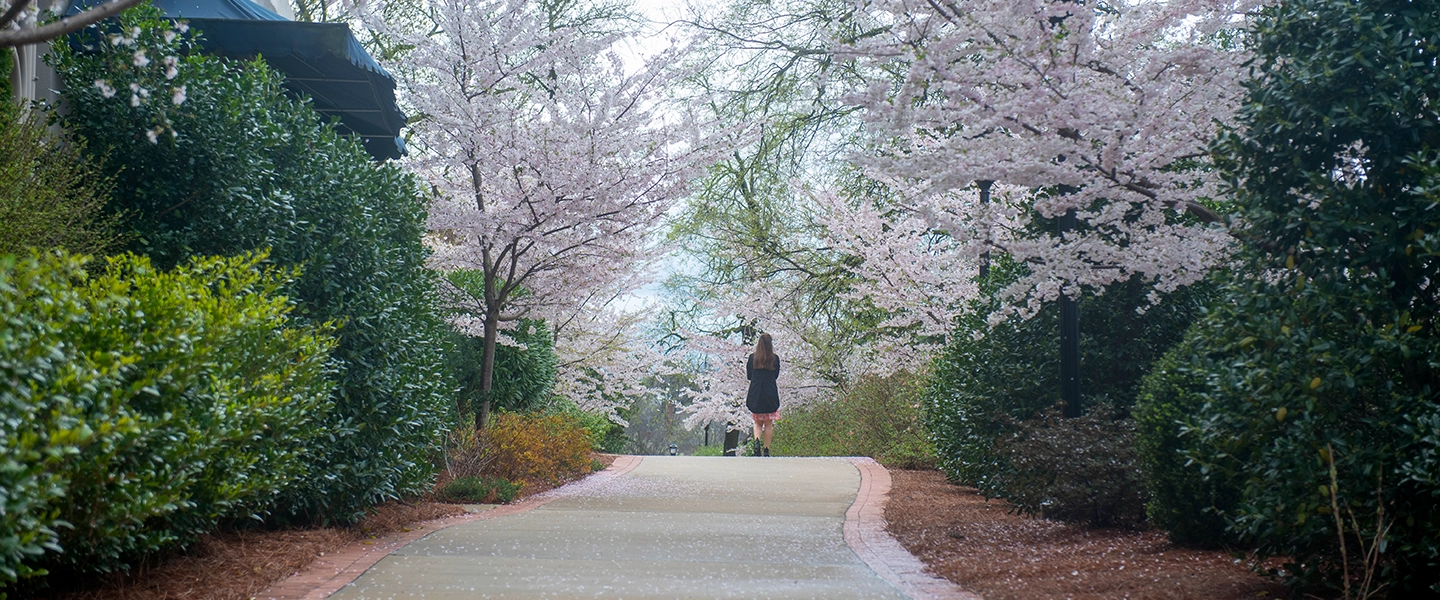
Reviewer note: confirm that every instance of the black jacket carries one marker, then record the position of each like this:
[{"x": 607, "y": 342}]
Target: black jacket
[{"x": 763, "y": 396}]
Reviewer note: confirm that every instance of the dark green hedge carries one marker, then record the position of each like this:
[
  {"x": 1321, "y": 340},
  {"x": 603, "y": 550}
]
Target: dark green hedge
[
  {"x": 239, "y": 166},
  {"x": 1319, "y": 371},
  {"x": 1184, "y": 498}
]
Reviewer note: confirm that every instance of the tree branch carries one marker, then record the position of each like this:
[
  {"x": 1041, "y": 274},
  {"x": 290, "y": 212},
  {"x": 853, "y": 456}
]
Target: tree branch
[{"x": 50, "y": 31}]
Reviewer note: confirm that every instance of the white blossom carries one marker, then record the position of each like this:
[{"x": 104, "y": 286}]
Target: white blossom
[
  {"x": 105, "y": 89},
  {"x": 555, "y": 191},
  {"x": 140, "y": 60},
  {"x": 178, "y": 95},
  {"x": 1036, "y": 95}
]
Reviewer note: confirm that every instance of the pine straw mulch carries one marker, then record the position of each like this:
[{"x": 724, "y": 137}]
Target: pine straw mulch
[
  {"x": 980, "y": 546},
  {"x": 237, "y": 565}
]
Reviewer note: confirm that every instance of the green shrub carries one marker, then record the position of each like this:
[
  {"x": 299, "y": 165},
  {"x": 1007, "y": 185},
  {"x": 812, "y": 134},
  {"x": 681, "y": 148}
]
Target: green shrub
[
  {"x": 877, "y": 417},
  {"x": 1185, "y": 500},
  {"x": 1076, "y": 469},
  {"x": 711, "y": 450},
  {"x": 994, "y": 383},
  {"x": 488, "y": 490},
  {"x": 141, "y": 407},
  {"x": 240, "y": 166},
  {"x": 605, "y": 434},
  {"x": 1322, "y": 364},
  {"x": 49, "y": 196}
]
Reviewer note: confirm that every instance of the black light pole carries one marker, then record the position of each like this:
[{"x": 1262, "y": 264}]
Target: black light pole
[
  {"x": 1069, "y": 333},
  {"x": 985, "y": 199}
]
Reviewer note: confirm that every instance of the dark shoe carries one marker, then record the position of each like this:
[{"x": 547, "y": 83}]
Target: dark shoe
[{"x": 767, "y": 452}]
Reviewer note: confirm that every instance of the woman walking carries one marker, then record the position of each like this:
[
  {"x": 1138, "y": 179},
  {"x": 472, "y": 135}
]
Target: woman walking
[{"x": 763, "y": 399}]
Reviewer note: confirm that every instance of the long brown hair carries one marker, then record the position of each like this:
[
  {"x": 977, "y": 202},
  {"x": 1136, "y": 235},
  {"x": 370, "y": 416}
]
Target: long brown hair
[{"x": 764, "y": 357}]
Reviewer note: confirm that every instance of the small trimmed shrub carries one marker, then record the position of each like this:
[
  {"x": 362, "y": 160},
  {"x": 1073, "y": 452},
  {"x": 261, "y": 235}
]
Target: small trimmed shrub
[
  {"x": 485, "y": 490},
  {"x": 1185, "y": 500},
  {"x": 1081, "y": 469},
  {"x": 537, "y": 448},
  {"x": 140, "y": 407},
  {"x": 878, "y": 417}
]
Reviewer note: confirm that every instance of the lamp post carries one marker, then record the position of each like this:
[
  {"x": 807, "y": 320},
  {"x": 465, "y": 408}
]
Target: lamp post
[
  {"x": 1069, "y": 332},
  {"x": 985, "y": 200}
]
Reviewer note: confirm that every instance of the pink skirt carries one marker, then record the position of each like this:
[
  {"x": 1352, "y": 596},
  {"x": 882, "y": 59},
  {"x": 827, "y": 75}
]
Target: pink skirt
[{"x": 765, "y": 417}]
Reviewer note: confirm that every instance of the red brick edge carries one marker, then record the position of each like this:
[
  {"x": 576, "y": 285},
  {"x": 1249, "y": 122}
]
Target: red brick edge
[
  {"x": 865, "y": 534},
  {"x": 333, "y": 571}
]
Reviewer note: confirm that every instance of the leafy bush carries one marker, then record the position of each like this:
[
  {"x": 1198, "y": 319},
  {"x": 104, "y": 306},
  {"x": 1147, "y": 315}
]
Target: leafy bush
[
  {"x": 877, "y": 417},
  {"x": 712, "y": 450},
  {"x": 605, "y": 435},
  {"x": 1184, "y": 499},
  {"x": 49, "y": 196},
  {"x": 488, "y": 490},
  {"x": 1076, "y": 469},
  {"x": 141, "y": 407},
  {"x": 537, "y": 448},
  {"x": 997, "y": 383},
  {"x": 239, "y": 166},
  {"x": 1322, "y": 366},
  {"x": 524, "y": 375}
]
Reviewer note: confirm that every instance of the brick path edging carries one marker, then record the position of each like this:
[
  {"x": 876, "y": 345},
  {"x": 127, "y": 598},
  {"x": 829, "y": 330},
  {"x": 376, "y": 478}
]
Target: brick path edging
[
  {"x": 865, "y": 534},
  {"x": 328, "y": 573}
]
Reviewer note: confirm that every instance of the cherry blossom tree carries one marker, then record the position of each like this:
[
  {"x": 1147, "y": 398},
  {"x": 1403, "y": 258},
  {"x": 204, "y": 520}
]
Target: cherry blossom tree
[
  {"x": 24, "y": 22},
  {"x": 551, "y": 161},
  {"x": 1101, "y": 110}
]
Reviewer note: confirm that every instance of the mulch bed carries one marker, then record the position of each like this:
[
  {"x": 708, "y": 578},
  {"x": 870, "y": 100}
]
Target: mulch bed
[
  {"x": 237, "y": 565},
  {"x": 982, "y": 547}
]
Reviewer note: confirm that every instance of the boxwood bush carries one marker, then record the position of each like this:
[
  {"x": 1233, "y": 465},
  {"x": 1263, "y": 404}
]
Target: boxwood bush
[
  {"x": 141, "y": 407},
  {"x": 239, "y": 165},
  {"x": 1186, "y": 499}
]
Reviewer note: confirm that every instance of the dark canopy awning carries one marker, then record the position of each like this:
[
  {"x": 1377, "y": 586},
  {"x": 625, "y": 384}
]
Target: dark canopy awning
[{"x": 321, "y": 60}]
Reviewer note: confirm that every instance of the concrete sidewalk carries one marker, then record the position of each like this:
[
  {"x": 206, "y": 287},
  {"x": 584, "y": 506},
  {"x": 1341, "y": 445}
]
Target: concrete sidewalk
[{"x": 672, "y": 528}]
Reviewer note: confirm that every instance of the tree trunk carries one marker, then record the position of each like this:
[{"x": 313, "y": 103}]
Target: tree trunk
[{"x": 487, "y": 367}]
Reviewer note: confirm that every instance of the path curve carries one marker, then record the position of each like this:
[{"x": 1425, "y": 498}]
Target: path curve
[{"x": 687, "y": 527}]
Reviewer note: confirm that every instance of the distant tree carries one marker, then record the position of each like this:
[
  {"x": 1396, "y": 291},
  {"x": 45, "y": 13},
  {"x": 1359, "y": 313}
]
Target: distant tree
[{"x": 549, "y": 165}]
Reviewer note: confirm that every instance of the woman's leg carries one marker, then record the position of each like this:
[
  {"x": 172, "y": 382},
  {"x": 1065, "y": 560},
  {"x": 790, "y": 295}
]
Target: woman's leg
[{"x": 769, "y": 430}]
